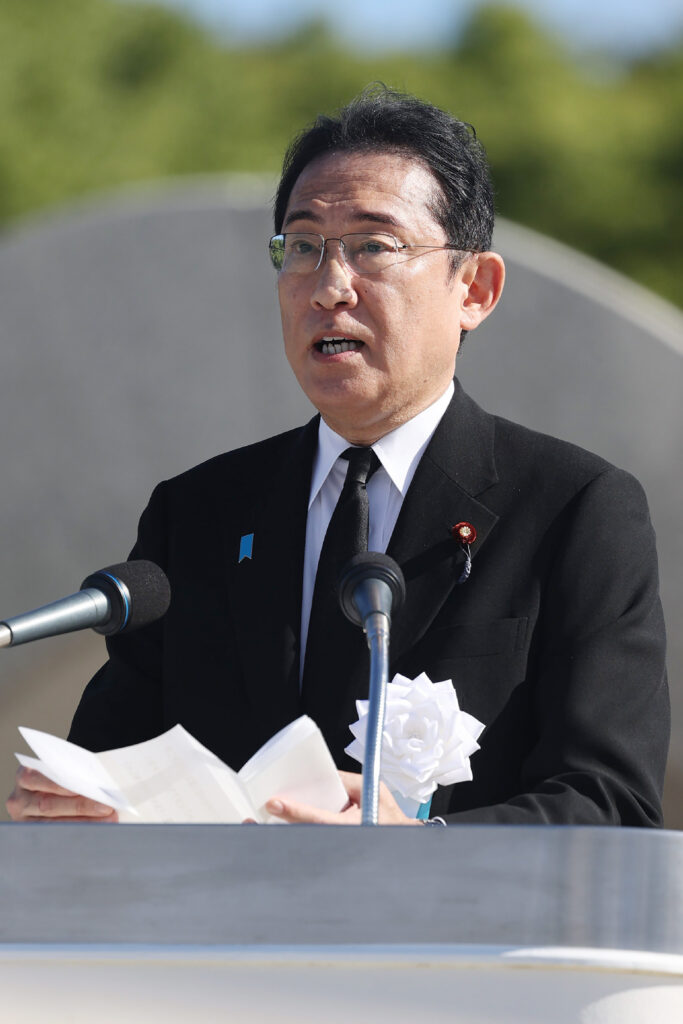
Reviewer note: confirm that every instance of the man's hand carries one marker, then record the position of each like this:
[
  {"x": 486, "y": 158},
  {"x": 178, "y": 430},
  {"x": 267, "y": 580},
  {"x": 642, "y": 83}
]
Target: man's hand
[
  {"x": 389, "y": 811},
  {"x": 36, "y": 798}
]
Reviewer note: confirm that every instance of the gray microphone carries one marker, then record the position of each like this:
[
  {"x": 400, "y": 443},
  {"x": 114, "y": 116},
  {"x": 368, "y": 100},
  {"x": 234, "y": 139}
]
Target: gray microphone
[
  {"x": 117, "y": 598},
  {"x": 370, "y": 587}
]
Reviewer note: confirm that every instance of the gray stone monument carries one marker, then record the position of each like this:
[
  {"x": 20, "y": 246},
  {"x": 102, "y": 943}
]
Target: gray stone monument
[{"x": 140, "y": 335}]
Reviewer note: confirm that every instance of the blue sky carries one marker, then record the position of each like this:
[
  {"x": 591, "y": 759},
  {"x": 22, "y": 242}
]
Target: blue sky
[{"x": 619, "y": 26}]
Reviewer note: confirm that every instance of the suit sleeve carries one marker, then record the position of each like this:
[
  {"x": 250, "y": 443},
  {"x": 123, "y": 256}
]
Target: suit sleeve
[
  {"x": 600, "y": 696},
  {"x": 123, "y": 702}
]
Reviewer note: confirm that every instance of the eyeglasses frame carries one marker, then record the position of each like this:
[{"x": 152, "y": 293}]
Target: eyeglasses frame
[{"x": 398, "y": 247}]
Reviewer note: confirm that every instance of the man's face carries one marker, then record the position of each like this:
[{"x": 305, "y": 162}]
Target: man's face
[{"x": 405, "y": 321}]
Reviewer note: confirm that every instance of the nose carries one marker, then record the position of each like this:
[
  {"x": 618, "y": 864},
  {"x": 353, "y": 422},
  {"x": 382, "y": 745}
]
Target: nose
[{"x": 333, "y": 280}]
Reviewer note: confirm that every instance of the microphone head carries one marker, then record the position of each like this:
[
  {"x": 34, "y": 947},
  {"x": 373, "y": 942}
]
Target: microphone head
[
  {"x": 369, "y": 566},
  {"x": 138, "y": 593}
]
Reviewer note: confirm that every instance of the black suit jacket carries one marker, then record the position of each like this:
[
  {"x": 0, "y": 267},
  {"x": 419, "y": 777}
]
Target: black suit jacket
[{"x": 556, "y": 642}]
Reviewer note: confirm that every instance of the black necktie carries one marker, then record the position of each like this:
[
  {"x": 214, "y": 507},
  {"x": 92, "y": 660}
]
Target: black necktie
[{"x": 336, "y": 662}]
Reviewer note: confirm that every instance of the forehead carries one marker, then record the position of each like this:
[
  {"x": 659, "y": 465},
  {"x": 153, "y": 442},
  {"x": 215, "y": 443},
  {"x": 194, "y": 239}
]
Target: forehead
[{"x": 388, "y": 188}]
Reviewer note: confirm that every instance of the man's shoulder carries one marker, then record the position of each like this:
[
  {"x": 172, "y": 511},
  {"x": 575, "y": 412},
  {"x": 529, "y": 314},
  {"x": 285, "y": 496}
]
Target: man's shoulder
[
  {"x": 555, "y": 470},
  {"x": 525, "y": 461},
  {"x": 523, "y": 453},
  {"x": 534, "y": 449},
  {"x": 240, "y": 467}
]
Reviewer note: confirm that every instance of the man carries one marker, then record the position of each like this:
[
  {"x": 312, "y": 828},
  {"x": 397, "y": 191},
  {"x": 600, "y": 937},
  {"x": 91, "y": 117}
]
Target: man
[{"x": 555, "y": 638}]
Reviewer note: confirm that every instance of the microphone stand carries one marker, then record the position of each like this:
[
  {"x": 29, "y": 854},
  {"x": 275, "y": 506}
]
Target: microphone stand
[
  {"x": 370, "y": 586},
  {"x": 377, "y": 632}
]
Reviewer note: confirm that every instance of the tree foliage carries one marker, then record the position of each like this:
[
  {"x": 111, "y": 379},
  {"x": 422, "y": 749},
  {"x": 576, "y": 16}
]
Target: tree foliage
[{"x": 94, "y": 93}]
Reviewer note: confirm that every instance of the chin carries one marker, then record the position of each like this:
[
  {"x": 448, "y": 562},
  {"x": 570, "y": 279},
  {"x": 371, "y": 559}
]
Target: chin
[
  {"x": 358, "y": 423},
  {"x": 341, "y": 396}
]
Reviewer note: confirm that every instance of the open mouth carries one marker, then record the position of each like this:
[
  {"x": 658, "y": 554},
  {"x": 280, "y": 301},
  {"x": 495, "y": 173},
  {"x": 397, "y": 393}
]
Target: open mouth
[{"x": 333, "y": 345}]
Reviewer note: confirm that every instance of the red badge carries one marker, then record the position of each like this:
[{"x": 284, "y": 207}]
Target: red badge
[{"x": 464, "y": 532}]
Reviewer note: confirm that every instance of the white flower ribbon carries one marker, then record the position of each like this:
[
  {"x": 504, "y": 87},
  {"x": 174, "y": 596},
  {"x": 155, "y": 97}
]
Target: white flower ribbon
[{"x": 427, "y": 740}]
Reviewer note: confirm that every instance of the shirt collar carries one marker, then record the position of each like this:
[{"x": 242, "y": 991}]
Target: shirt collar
[{"x": 399, "y": 451}]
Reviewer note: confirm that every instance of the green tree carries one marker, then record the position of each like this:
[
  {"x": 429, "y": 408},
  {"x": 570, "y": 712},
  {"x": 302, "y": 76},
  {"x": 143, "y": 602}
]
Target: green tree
[{"x": 95, "y": 93}]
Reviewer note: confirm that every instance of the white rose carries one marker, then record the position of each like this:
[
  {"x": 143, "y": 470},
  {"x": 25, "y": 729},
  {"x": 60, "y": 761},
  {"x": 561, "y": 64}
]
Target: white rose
[{"x": 427, "y": 740}]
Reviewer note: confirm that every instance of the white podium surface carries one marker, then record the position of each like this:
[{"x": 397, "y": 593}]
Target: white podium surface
[{"x": 294, "y": 923}]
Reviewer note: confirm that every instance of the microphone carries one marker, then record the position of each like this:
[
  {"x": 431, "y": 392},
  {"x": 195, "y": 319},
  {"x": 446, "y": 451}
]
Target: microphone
[
  {"x": 370, "y": 587},
  {"x": 117, "y": 598},
  {"x": 371, "y": 584}
]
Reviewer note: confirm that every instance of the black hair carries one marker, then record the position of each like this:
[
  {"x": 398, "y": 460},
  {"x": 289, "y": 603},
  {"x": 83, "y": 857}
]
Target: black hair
[{"x": 381, "y": 119}]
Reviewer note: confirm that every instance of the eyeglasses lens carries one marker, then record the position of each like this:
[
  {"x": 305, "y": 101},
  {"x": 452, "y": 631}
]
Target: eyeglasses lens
[{"x": 365, "y": 252}]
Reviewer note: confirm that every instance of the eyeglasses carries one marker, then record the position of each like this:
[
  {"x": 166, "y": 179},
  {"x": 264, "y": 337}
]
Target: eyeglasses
[{"x": 364, "y": 252}]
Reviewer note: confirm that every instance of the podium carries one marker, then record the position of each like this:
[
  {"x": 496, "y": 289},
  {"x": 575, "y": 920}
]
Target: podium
[{"x": 292, "y": 923}]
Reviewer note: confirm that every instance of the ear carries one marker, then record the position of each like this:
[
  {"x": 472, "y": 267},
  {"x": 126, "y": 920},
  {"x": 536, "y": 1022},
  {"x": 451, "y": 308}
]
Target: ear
[{"x": 483, "y": 277}]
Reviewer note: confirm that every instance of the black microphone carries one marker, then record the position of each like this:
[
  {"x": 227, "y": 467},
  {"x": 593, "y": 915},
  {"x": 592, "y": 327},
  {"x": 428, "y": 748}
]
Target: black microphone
[
  {"x": 111, "y": 600},
  {"x": 371, "y": 583}
]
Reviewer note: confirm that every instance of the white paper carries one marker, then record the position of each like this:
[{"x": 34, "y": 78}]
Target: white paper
[
  {"x": 173, "y": 778},
  {"x": 72, "y": 767},
  {"x": 296, "y": 764}
]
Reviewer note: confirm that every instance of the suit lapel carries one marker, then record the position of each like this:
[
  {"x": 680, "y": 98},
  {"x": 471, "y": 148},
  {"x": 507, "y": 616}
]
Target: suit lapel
[
  {"x": 457, "y": 465},
  {"x": 266, "y": 594}
]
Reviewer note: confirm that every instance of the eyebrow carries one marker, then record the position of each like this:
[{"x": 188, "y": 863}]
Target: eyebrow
[{"x": 364, "y": 216}]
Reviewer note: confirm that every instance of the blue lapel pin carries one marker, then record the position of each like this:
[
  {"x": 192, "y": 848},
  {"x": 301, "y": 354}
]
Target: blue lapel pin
[{"x": 246, "y": 546}]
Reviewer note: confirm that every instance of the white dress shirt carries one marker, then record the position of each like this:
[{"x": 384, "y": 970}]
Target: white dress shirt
[{"x": 399, "y": 453}]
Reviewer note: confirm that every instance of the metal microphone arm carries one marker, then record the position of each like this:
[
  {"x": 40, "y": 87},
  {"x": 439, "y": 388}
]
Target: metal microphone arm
[
  {"x": 370, "y": 586},
  {"x": 83, "y": 610},
  {"x": 377, "y": 630},
  {"x": 119, "y": 597}
]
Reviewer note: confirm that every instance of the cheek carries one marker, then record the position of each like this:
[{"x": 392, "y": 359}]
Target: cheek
[
  {"x": 413, "y": 322},
  {"x": 289, "y": 299},
  {"x": 389, "y": 306}
]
